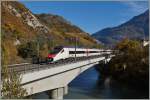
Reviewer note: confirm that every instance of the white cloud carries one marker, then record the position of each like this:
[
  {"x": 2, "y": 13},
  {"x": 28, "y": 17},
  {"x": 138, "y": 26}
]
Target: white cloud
[{"x": 137, "y": 6}]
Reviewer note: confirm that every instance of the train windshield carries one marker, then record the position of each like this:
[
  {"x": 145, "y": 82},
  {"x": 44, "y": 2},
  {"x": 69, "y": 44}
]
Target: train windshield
[{"x": 56, "y": 50}]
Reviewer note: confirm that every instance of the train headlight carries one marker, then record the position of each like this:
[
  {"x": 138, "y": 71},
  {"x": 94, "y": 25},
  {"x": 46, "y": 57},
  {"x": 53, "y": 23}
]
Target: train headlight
[{"x": 50, "y": 59}]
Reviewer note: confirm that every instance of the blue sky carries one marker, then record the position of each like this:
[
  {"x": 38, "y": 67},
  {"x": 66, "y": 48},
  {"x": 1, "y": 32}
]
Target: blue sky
[{"x": 91, "y": 16}]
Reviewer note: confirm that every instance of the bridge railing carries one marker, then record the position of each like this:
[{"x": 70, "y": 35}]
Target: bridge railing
[{"x": 25, "y": 68}]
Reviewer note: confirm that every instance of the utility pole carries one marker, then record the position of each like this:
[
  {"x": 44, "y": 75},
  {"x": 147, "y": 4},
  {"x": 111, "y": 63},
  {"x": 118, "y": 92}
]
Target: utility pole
[
  {"x": 75, "y": 46},
  {"x": 38, "y": 50}
]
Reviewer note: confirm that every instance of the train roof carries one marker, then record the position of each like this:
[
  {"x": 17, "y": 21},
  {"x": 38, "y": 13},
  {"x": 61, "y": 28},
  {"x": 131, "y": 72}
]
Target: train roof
[{"x": 74, "y": 47}]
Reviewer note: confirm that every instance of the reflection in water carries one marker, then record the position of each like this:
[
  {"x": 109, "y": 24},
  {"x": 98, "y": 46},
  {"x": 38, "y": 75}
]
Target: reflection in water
[
  {"x": 89, "y": 86},
  {"x": 107, "y": 89},
  {"x": 107, "y": 82}
]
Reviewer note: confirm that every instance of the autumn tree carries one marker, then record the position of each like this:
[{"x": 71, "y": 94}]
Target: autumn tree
[
  {"x": 131, "y": 63},
  {"x": 11, "y": 81}
]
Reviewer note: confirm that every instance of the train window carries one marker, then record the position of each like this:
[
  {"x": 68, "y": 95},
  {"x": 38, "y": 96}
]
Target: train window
[
  {"x": 93, "y": 51},
  {"x": 77, "y": 52},
  {"x": 56, "y": 50},
  {"x": 71, "y": 52},
  {"x": 62, "y": 51}
]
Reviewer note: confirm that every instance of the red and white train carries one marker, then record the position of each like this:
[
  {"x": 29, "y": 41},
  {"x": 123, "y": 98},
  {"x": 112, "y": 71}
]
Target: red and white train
[{"x": 60, "y": 53}]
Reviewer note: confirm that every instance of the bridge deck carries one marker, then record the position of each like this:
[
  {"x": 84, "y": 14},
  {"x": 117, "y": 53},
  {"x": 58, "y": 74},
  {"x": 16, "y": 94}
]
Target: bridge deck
[{"x": 28, "y": 68}]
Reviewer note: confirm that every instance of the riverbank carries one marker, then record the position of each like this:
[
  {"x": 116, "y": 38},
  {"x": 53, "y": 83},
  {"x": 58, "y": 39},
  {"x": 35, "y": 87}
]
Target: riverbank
[
  {"x": 136, "y": 82},
  {"x": 130, "y": 67}
]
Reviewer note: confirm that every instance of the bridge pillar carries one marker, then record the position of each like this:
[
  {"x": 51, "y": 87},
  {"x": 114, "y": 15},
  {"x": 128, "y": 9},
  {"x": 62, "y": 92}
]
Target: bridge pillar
[
  {"x": 59, "y": 92},
  {"x": 65, "y": 90},
  {"x": 105, "y": 61}
]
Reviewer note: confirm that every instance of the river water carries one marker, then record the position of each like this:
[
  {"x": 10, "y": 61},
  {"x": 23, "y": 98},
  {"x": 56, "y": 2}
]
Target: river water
[{"x": 89, "y": 86}]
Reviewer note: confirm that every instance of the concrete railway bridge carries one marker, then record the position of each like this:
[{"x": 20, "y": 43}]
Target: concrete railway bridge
[{"x": 55, "y": 77}]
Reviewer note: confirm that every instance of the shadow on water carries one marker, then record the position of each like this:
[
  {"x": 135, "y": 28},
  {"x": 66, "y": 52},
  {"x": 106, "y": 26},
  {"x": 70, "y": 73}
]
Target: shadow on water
[
  {"x": 90, "y": 85},
  {"x": 112, "y": 89}
]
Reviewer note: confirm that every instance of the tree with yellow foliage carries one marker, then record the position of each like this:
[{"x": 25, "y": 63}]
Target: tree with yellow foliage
[
  {"x": 11, "y": 87},
  {"x": 131, "y": 63}
]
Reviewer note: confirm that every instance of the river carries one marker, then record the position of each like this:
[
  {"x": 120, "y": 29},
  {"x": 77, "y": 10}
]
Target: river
[{"x": 88, "y": 86}]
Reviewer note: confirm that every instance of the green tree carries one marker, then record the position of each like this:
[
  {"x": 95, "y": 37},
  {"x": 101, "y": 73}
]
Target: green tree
[{"x": 28, "y": 49}]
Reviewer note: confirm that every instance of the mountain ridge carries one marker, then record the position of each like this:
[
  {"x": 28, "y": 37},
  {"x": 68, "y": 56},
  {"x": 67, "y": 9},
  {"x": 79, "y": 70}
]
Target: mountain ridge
[{"x": 135, "y": 28}]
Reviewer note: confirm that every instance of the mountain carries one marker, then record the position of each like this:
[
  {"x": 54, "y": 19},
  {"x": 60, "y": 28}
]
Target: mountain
[
  {"x": 22, "y": 31},
  {"x": 136, "y": 28},
  {"x": 66, "y": 29}
]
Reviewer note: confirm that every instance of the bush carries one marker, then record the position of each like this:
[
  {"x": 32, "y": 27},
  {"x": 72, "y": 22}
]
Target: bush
[
  {"x": 11, "y": 81},
  {"x": 28, "y": 50}
]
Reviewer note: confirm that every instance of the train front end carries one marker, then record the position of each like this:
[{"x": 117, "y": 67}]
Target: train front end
[
  {"x": 53, "y": 55},
  {"x": 50, "y": 58}
]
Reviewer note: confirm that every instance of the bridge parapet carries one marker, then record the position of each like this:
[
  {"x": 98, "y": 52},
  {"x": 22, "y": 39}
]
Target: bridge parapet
[{"x": 53, "y": 77}]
